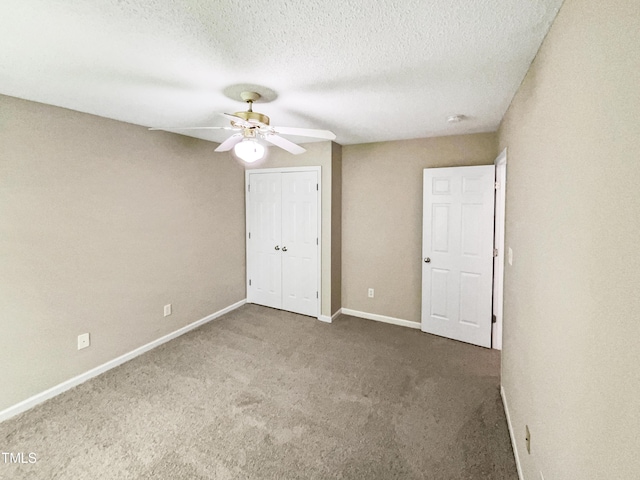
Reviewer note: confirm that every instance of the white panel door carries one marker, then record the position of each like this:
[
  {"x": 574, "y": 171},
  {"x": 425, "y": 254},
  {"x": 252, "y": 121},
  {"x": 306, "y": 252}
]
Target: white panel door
[
  {"x": 264, "y": 262},
  {"x": 300, "y": 242},
  {"x": 457, "y": 247}
]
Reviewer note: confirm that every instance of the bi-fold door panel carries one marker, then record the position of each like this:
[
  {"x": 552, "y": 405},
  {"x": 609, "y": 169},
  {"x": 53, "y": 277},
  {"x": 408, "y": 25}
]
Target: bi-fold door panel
[
  {"x": 264, "y": 261},
  {"x": 300, "y": 238}
]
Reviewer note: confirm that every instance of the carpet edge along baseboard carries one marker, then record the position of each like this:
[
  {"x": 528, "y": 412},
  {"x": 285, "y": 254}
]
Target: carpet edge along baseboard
[{"x": 38, "y": 398}]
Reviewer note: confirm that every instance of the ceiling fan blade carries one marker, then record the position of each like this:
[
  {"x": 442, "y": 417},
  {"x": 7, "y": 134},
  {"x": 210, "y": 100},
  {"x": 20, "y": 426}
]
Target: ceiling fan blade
[
  {"x": 284, "y": 144},
  {"x": 229, "y": 143},
  {"x": 166, "y": 129},
  {"x": 305, "y": 132}
]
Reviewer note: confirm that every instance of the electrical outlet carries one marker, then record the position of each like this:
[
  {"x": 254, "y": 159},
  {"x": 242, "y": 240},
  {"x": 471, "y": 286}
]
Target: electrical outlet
[
  {"x": 527, "y": 438},
  {"x": 83, "y": 341},
  {"x": 167, "y": 310},
  {"x": 370, "y": 293},
  {"x": 510, "y": 256}
]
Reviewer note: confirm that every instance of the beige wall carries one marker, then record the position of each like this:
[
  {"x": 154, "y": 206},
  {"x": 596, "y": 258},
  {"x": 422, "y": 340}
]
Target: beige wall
[
  {"x": 336, "y": 227},
  {"x": 571, "y": 358},
  {"x": 317, "y": 154},
  {"x": 102, "y": 224},
  {"x": 382, "y": 217}
]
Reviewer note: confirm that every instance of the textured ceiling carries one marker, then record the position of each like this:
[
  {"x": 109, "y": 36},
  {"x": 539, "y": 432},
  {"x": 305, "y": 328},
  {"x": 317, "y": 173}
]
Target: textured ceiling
[{"x": 367, "y": 70}]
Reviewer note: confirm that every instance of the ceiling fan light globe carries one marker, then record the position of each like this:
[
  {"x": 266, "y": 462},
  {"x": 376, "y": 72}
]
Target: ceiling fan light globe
[{"x": 249, "y": 150}]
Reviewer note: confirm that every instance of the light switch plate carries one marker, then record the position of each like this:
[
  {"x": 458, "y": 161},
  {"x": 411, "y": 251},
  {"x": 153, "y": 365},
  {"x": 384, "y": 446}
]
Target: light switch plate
[
  {"x": 167, "y": 310},
  {"x": 510, "y": 256}
]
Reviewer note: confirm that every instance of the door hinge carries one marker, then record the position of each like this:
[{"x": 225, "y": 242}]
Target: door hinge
[
  {"x": 496, "y": 185},
  {"x": 249, "y": 282},
  {"x": 493, "y": 319},
  {"x": 495, "y": 252},
  {"x": 249, "y": 235},
  {"x": 249, "y": 188},
  {"x": 317, "y": 187},
  {"x": 317, "y": 241},
  {"x": 317, "y": 294}
]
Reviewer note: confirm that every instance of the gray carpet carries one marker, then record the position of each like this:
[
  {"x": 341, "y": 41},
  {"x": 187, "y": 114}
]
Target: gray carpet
[{"x": 265, "y": 394}]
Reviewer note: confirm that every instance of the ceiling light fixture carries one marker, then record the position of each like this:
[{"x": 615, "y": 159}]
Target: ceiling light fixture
[
  {"x": 456, "y": 118},
  {"x": 249, "y": 150}
]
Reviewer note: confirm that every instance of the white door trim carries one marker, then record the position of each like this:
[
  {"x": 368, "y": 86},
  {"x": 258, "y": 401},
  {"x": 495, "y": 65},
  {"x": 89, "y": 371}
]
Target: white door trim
[
  {"x": 317, "y": 169},
  {"x": 498, "y": 267}
]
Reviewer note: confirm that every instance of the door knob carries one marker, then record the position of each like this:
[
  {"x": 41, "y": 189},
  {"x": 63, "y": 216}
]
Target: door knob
[
  {"x": 284, "y": 249},
  {"x": 427, "y": 260},
  {"x": 277, "y": 247}
]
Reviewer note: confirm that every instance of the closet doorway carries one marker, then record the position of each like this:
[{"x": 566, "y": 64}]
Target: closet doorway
[{"x": 283, "y": 238}]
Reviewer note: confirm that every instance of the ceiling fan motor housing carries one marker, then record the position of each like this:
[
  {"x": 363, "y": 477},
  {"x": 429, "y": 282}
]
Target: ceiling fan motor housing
[{"x": 253, "y": 117}]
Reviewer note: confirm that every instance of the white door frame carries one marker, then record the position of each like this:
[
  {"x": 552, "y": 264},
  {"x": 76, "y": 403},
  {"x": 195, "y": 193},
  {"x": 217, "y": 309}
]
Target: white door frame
[
  {"x": 498, "y": 263},
  {"x": 317, "y": 169}
]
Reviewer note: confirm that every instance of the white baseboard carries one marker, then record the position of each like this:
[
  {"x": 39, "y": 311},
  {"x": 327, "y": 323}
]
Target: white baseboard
[
  {"x": 83, "y": 377},
  {"x": 330, "y": 319},
  {"x": 511, "y": 432},
  {"x": 381, "y": 318}
]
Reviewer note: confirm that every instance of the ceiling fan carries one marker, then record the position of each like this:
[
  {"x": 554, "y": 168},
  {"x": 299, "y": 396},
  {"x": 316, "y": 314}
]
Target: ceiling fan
[{"x": 252, "y": 126}]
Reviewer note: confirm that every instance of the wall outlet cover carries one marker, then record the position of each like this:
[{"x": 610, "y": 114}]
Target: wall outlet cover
[{"x": 83, "y": 341}]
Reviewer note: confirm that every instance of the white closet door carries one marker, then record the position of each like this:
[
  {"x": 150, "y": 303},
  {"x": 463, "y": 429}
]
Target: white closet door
[
  {"x": 300, "y": 242},
  {"x": 457, "y": 271},
  {"x": 264, "y": 262}
]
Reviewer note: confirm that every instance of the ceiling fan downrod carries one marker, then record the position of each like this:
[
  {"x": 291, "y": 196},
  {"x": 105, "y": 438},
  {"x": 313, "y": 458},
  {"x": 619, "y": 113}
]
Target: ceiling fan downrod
[{"x": 249, "y": 115}]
